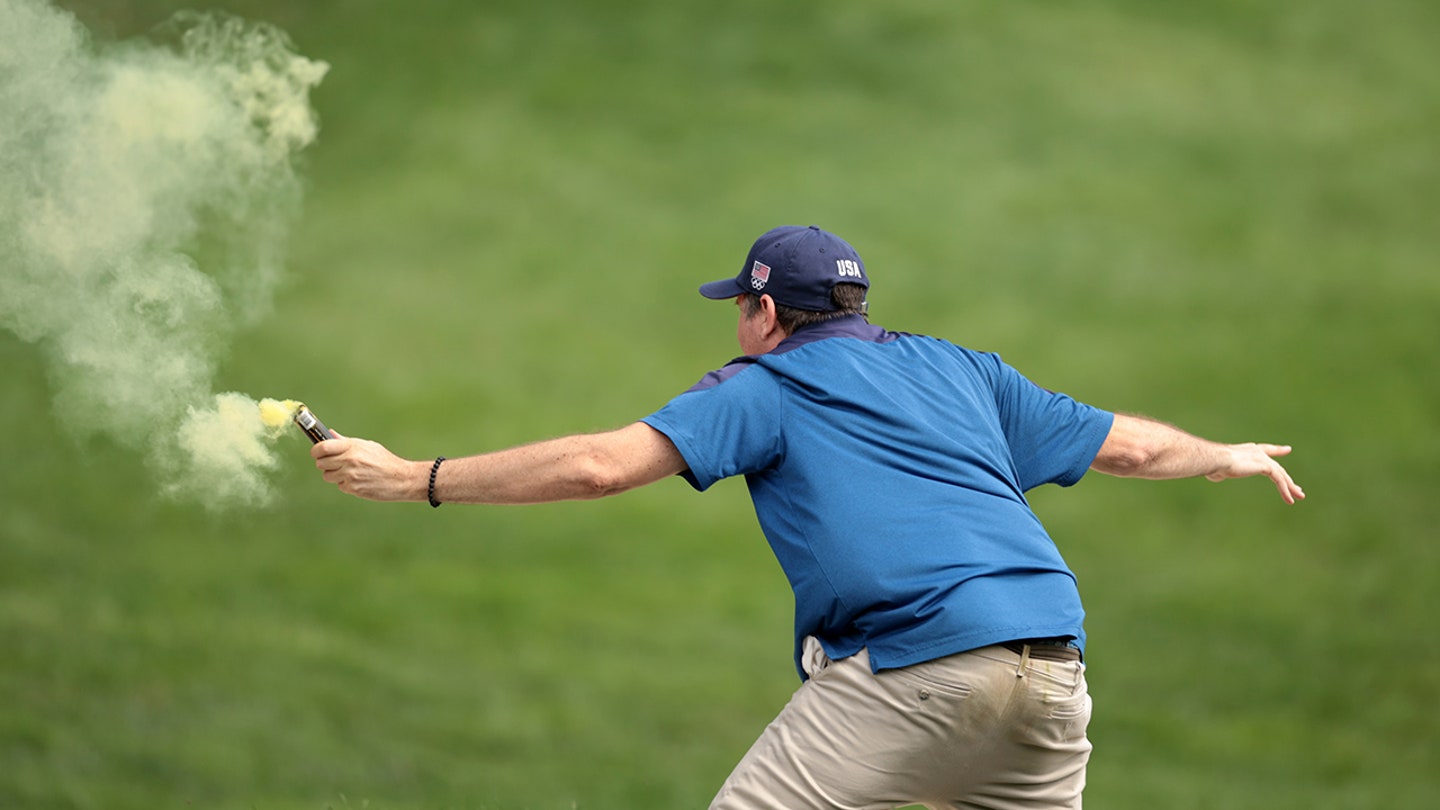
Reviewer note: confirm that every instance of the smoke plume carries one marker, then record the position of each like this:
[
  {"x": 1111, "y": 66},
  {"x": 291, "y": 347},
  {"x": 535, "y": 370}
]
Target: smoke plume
[{"x": 145, "y": 193}]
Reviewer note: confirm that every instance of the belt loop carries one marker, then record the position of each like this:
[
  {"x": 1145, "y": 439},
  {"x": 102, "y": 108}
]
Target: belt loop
[{"x": 1024, "y": 659}]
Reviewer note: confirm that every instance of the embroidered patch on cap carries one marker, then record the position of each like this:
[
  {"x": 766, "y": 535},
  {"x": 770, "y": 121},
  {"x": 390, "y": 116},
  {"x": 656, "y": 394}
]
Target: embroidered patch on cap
[{"x": 759, "y": 274}]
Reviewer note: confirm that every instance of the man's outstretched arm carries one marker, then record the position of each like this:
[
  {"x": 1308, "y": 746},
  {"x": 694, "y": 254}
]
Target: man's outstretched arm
[
  {"x": 577, "y": 467},
  {"x": 1138, "y": 447}
]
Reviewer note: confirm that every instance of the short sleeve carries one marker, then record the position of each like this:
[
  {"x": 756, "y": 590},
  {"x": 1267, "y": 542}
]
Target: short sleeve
[
  {"x": 1053, "y": 438},
  {"x": 730, "y": 428}
]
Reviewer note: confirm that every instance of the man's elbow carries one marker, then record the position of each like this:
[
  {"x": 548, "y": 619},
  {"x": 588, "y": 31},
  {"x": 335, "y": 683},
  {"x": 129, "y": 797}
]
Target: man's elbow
[
  {"x": 599, "y": 476},
  {"x": 1126, "y": 460},
  {"x": 622, "y": 460}
]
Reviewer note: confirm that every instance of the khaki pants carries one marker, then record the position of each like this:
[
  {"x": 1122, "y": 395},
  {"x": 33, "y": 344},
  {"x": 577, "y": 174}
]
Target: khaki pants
[{"x": 988, "y": 728}]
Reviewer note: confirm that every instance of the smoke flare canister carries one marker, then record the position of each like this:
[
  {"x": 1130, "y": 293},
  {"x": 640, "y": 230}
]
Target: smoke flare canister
[{"x": 312, "y": 426}]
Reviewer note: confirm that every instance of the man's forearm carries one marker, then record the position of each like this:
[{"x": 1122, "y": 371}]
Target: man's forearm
[
  {"x": 564, "y": 469},
  {"x": 1139, "y": 447},
  {"x": 570, "y": 468}
]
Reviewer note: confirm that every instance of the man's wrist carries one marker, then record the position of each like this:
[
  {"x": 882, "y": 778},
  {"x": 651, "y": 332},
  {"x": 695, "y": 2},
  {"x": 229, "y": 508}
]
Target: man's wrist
[
  {"x": 430, "y": 494},
  {"x": 1224, "y": 462},
  {"x": 417, "y": 480}
]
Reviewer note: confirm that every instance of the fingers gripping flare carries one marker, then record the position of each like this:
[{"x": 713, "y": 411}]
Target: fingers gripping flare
[{"x": 368, "y": 470}]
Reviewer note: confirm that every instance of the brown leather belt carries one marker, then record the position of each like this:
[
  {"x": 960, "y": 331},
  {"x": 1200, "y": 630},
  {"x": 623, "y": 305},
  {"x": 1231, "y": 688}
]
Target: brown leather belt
[{"x": 1045, "y": 649}]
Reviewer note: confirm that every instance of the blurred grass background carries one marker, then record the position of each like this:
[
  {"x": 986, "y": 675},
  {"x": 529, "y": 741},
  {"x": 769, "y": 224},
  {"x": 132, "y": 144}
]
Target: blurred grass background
[{"x": 1222, "y": 214}]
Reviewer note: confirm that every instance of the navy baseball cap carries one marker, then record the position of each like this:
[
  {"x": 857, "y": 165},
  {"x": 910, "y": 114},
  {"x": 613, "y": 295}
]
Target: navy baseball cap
[{"x": 795, "y": 265}]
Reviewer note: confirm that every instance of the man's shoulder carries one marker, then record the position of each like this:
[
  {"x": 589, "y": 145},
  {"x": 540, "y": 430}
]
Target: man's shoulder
[{"x": 725, "y": 373}]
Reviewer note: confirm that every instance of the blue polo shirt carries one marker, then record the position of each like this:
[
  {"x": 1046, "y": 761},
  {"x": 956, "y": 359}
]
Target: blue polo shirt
[{"x": 888, "y": 472}]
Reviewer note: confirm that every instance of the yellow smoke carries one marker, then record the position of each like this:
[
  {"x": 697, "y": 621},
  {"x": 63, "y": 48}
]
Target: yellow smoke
[
  {"x": 276, "y": 412},
  {"x": 146, "y": 190},
  {"x": 226, "y": 448}
]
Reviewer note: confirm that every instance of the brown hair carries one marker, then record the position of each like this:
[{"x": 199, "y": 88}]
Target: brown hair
[{"x": 849, "y": 299}]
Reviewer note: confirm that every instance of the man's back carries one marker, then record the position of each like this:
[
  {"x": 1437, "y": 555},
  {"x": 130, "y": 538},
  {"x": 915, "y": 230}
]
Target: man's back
[{"x": 888, "y": 472}]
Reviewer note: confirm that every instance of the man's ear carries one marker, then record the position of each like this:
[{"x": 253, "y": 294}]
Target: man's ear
[{"x": 767, "y": 311}]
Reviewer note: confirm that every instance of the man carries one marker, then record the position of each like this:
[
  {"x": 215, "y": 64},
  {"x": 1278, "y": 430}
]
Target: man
[{"x": 938, "y": 632}]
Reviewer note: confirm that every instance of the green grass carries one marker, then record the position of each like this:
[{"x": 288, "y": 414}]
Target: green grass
[{"x": 1221, "y": 214}]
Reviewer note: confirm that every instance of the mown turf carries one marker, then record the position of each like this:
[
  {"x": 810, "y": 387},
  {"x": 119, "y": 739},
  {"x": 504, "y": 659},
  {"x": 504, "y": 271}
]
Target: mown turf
[{"x": 1221, "y": 214}]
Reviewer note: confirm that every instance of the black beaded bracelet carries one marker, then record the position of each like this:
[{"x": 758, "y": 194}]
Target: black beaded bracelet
[{"x": 434, "y": 468}]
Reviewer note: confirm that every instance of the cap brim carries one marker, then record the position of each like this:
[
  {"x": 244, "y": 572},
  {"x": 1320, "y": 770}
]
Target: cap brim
[{"x": 722, "y": 289}]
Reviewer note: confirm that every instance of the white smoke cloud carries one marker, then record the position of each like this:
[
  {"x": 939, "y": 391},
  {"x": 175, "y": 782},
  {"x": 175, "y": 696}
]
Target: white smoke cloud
[{"x": 145, "y": 194}]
